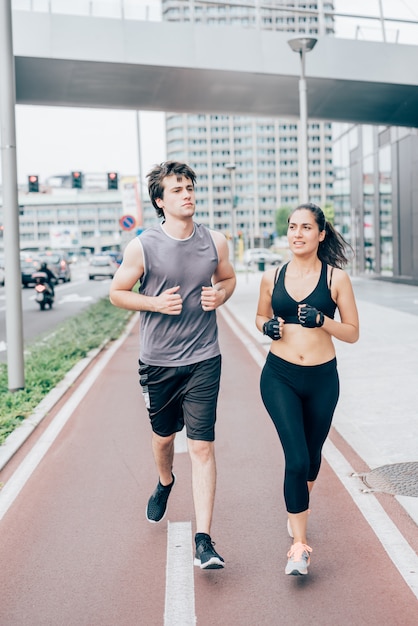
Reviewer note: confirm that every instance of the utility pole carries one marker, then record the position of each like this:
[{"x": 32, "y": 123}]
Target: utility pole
[
  {"x": 13, "y": 277},
  {"x": 231, "y": 167}
]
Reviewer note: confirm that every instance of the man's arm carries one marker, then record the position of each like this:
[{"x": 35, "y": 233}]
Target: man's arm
[
  {"x": 224, "y": 279},
  {"x": 126, "y": 277}
]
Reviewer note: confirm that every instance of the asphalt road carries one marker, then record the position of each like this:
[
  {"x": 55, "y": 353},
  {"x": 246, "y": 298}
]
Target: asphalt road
[
  {"x": 70, "y": 298},
  {"x": 76, "y": 548}
]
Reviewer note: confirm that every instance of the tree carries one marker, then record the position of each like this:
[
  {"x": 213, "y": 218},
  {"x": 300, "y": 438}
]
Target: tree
[
  {"x": 282, "y": 216},
  {"x": 329, "y": 213}
]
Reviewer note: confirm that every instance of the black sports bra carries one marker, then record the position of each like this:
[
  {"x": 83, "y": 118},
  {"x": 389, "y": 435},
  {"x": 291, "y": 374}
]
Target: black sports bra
[{"x": 286, "y": 307}]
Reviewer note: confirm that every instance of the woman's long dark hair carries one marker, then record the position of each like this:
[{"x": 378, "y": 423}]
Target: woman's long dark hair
[{"x": 333, "y": 249}]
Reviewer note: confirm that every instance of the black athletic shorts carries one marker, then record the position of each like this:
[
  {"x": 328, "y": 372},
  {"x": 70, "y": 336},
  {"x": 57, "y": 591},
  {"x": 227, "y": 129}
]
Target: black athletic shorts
[{"x": 184, "y": 395}]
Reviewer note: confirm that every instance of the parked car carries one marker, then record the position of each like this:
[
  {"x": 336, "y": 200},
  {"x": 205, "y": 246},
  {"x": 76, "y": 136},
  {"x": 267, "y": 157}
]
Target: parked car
[
  {"x": 102, "y": 266},
  {"x": 59, "y": 263},
  {"x": 258, "y": 255},
  {"x": 116, "y": 256},
  {"x": 29, "y": 265}
]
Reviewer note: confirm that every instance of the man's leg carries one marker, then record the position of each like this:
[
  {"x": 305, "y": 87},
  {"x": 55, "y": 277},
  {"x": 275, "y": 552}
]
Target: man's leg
[
  {"x": 202, "y": 455},
  {"x": 163, "y": 449}
]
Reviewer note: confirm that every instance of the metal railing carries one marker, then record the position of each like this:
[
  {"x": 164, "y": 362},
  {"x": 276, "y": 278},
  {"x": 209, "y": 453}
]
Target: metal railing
[{"x": 393, "y": 21}]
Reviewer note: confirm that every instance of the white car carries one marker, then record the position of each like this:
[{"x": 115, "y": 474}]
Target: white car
[
  {"x": 259, "y": 255},
  {"x": 102, "y": 266}
]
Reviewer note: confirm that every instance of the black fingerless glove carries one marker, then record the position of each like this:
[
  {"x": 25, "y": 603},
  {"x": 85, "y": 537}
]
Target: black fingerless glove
[
  {"x": 310, "y": 317},
  {"x": 272, "y": 329}
]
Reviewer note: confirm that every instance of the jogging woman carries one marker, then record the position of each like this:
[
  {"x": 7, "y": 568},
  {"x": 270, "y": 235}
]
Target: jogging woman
[{"x": 299, "y": 382}]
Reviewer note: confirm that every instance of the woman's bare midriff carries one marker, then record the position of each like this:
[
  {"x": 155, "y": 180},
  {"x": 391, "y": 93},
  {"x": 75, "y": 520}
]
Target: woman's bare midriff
[{"x": 304, "y": 346}]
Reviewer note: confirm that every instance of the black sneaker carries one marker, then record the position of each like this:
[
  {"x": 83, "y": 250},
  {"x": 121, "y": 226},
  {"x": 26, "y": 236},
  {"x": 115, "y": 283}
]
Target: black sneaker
[
  {"x": 157, "y": 504},
  {"x": 206, "y": 556}
]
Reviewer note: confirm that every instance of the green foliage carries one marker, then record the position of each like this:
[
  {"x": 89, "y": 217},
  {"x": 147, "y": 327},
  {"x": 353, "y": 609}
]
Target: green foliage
[
  {"x": 282, "y": 215},
  {"x": 329, "y": 213},
  {"x": 51, "y": 357}
]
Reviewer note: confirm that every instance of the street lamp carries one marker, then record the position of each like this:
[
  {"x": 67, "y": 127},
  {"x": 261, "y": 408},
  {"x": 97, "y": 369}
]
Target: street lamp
[
  {"x": 251, "y": 220},
  {"x": 302, "y": 45},
  {"x": 231, "y": 167}
]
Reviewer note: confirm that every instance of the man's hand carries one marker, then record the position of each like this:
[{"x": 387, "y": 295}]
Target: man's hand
[
  {"x": 169, "y": 302},
  {"x": 211, "y": 298}
]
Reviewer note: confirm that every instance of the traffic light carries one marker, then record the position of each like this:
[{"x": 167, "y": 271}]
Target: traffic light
[
  {"x": 77, "y": 180},
  {"x": 33, "y": 184},
  {"x": 112, "y": 180}
]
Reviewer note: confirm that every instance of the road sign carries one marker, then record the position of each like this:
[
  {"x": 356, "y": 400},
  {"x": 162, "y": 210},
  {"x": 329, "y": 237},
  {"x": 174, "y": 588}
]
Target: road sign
[{"x": 127, "y": 222}]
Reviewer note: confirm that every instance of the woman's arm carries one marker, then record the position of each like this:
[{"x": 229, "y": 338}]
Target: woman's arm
[
  {"x": 264, "y": 309},
  {"x": 342, "y": 291}
]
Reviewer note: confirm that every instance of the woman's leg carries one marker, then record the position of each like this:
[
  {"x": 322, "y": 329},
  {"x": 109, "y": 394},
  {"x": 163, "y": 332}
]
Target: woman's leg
[
  {"x": 319, "y": 409},
  {"x": 285, "y": 409}
]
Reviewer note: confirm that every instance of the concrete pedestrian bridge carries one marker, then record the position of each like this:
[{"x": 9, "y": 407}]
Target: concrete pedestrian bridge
[{"x": 183, "y": 67}]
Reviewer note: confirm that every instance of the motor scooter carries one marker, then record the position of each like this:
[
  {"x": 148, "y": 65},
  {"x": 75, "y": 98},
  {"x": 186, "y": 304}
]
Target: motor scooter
[{"x": 44, "y": 294}]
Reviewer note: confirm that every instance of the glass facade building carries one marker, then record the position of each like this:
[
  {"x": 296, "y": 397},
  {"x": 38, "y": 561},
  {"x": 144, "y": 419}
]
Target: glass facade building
[{"x": 376, "y": 197}]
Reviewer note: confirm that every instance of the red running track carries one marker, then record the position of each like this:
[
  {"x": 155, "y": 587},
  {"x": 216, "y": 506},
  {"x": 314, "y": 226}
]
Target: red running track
[{"x": 77, "y": 550}]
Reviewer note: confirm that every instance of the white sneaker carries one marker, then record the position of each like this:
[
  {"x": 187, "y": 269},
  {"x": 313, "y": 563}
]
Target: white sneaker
[{"x": 298, "y": 559}]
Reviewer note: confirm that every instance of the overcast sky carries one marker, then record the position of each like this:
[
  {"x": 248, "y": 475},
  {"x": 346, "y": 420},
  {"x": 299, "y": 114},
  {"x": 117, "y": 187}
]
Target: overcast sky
[{"x": 57, "y": 140}]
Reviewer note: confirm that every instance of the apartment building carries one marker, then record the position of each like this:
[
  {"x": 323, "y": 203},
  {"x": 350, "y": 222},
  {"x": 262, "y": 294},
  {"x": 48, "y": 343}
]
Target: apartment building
[{"x": 262, "y": 153}]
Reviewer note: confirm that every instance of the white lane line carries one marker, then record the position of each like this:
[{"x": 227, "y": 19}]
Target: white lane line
[
  {"x": 400, "y": 552},
  {"x": 248, "y": 343},
  {"x": 398, "y": 549},
  {"x": 179, "y": 587},
  {"x": 180, "y": 442},
  {"x": 179, "y": 591},
  {"x": 22, "y": 474}
]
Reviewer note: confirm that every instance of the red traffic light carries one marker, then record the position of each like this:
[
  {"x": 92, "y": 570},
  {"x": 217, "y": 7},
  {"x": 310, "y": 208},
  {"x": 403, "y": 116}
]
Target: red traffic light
[
  {"x": 112, "y": 180},
  {"x": 76, "y": 180},
  {"x": 33, "y": 183}
]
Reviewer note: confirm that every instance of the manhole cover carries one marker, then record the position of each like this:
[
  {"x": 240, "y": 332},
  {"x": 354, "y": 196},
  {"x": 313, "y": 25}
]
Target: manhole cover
[{"x": 398, "y": 479}]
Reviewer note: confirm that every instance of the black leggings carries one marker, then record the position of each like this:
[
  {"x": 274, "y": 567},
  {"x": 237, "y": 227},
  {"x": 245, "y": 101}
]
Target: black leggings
[{"x": 301, "y": 401}]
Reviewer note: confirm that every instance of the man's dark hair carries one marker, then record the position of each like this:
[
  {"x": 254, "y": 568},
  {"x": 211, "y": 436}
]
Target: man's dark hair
[{"x": 161, "y": 171}]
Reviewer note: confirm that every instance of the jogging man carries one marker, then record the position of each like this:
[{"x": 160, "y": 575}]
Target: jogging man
[{"x": 185, "y": 275}]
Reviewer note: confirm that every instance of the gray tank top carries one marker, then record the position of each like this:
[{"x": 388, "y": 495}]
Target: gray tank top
[{"x": 192, "y": 336}]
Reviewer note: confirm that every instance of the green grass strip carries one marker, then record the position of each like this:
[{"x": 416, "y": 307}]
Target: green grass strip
[{"x": 51, "y": 356}]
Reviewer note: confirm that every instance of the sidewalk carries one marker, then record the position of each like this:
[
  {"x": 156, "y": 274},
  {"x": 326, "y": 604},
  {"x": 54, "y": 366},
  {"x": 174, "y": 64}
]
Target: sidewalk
[{"x": 377, "y": 410}]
